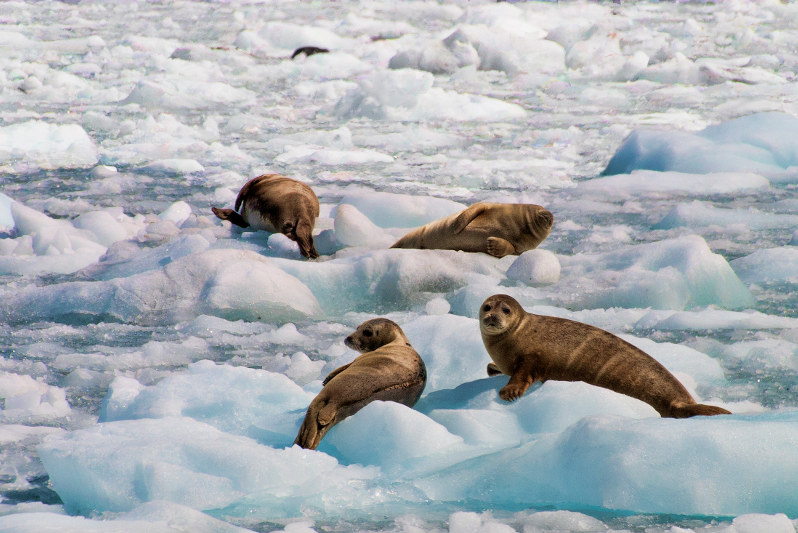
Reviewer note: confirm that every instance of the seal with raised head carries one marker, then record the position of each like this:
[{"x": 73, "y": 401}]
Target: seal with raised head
[
  {"x": 275, "y": 203},
  {"x": 492, "y": 228},
  {"x": 532, "y": 348},
  {"x": 388, "y": 369}
]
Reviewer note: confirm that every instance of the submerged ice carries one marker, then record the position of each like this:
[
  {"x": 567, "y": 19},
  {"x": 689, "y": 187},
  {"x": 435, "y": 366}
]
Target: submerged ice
[{"x": 156, "y": 363}]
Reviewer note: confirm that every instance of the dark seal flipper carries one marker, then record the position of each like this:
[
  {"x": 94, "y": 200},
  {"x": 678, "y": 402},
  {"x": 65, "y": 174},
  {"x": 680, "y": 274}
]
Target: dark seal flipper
[
  {"x": 232, "y": 216},
  {"x": 696, "y": 409}
]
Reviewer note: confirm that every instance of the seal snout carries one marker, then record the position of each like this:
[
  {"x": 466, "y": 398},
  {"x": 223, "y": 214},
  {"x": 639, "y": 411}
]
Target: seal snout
[
  {"x": 491, "y": 319},
  {"x": 350, "y": 342}
]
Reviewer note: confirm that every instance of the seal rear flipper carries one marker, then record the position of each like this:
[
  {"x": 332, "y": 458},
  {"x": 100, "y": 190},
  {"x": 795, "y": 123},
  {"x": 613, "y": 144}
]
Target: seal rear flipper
[
  {"x": 493, "y": 370},
  {"x": 316, "y": 424},
  {"x": 696, "y": 409},
  {"x": 230, "y": 215}
]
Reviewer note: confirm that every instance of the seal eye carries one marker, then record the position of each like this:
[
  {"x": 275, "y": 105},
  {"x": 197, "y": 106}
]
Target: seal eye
[
  {"x": 505, "y": 310},
  {"x": 367, "y": 333},
  {"x": 486, "y": 308}
]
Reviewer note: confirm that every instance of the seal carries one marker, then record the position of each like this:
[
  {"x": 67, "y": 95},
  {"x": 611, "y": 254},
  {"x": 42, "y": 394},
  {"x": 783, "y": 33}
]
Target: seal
[
  {"x": 532, "y": 348},
  {"x": 309, "y": 51},
  {"x": 275, "y": 203},
  {"x": 492, "y": 228},
  {"x": 388, "y": 369}
]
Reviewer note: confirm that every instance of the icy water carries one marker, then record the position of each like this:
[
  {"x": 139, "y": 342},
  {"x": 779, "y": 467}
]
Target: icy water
[{"x": 156, "y": 363}]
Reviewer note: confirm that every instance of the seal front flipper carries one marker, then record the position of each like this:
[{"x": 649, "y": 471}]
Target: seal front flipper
[
  {"x": 498, "y": 247},
  {"x": 334, "y": 373},
  {"x": 493, "y": 370},
  {"x": 520, "y": 380},
  {"x": 466, "y": 217},
  {"x": 232, "y": 216}
]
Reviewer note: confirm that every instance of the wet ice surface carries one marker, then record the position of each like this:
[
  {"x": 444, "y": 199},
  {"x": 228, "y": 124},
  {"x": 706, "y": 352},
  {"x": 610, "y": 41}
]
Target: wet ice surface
[{"x": 157, "y": 363}]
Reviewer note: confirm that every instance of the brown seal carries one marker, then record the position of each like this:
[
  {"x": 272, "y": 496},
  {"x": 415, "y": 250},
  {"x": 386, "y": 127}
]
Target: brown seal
[
  {"x": 275, "y": 203},
  {"x": 389, "y": 369},
  {"x": 496, "y": 229},
  {"x": 532, "y": 348}
]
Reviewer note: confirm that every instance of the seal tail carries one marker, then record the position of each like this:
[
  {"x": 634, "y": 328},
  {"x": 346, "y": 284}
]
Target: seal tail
[
  {"x": 696, "y": 409},
  {"x": 232, "y": 216}
]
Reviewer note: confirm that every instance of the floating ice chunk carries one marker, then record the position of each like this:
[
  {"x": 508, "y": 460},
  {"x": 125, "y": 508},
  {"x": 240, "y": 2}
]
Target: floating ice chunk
[
  {"x": 122, "y": 393},
  {"x": 116, "y": 466},
  {"x": 281, "y": 246},
  {"x": 331, "y": 157},
  {"x": 26, "y": 400},
  {"x": 405, "y": 278},
  {"x": 186, "y": 94},
  {"x": 470, "y": 522},
  {"x": 535, "y": 267},
  {"x": 353, "y": 228},
  {"x": 435, "y": 58},
  {"x": 713, "y": 319},
  {"x": 651, "y": 182},
  {"x": 769, "y": 265},
  {"x": 109, "y": 225},
  {"x": 6, "y": 218},
  {"x": 127, "y": 258},
  {"x": 697, "y": 214},
  {"x": 13, "y": 433},
  {"x": 177, "y": 213},
  {"x": 408, "y": 94},
  {"x": 451, "y": 347},
  {"x": 600, "y": 57},
  {"x": 268, "y": 406},
  {"x": 153, "y": 517},
  {"x": 555, "y": 405},
  {"x": 498, "y": 48},
  {"x": 753, "y": 356},
  {"x": 236, "y": 284},
  {"x": 618, "y": 463},
  {"x": 671, "y": 274},
  {"x": 482, "y": 427},
  {"x": 43, "y": 244},
  {"x": 340, "y": 138},
  {"x": 264, "y": 290},
  {"x": 413, "y": 138},
  {"x": 394, "y": 437},
  {"x": 33, "y": 145},
  {"x": 753, "y": 523},
  {"x": 389, "y": 210},
  {"x": 284, "y": 37},
  {"x": 175, "y": 166},
  {"x": 760, "y": 143},
  {"x": 437, "y": 306},
  {"x": 563, "y": 521}
]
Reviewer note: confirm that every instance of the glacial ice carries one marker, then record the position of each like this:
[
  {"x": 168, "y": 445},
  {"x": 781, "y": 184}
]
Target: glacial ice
[
  {"x": 756, "y": 143},
  {"x": 34, "y": 145},
  {"x": 228, "y": 283},
  {"x": 671, "y": 274},
  {"x": 157, "y": 363},
  {"x": 768, "y": 265}
]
